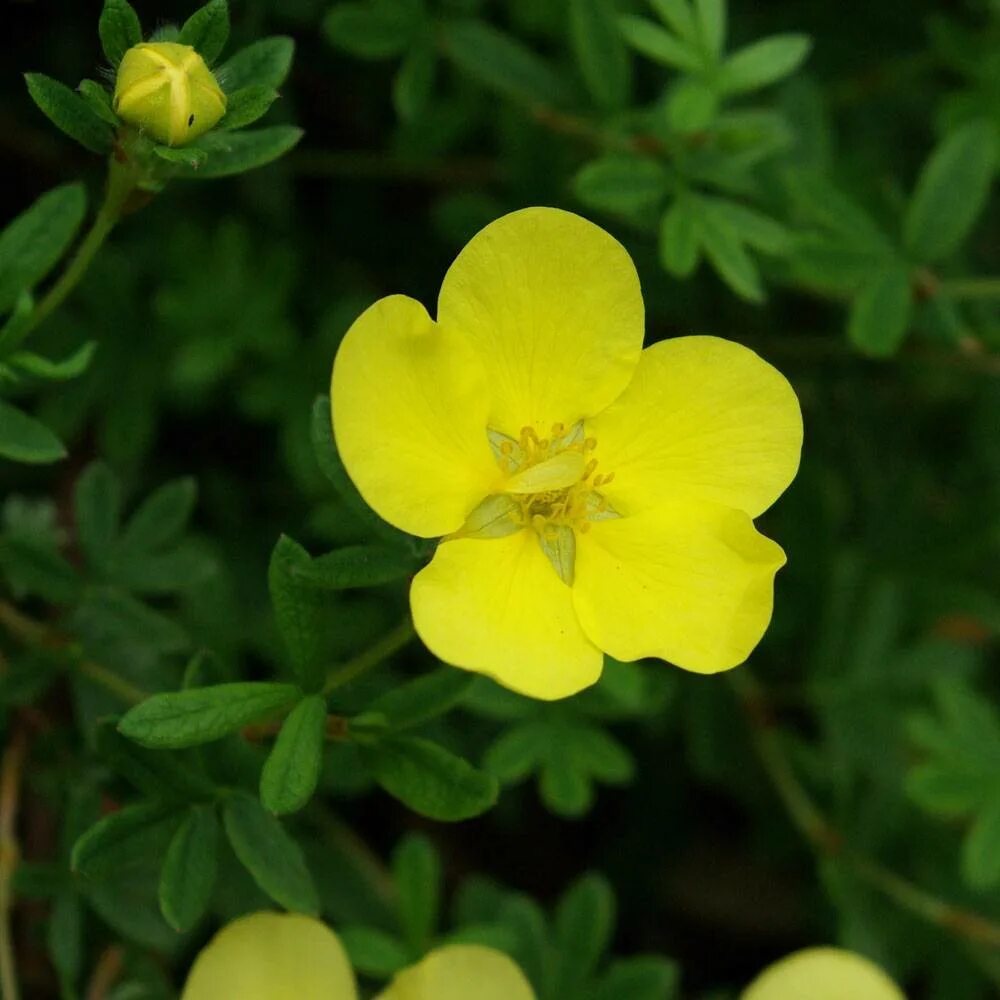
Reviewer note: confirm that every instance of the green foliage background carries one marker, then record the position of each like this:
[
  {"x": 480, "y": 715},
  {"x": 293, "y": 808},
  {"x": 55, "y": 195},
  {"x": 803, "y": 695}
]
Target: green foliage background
[{"x": 824, "y": 198}]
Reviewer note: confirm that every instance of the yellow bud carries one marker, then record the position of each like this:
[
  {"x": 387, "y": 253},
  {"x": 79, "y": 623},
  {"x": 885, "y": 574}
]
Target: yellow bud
[{"x": 167, "y": 91}]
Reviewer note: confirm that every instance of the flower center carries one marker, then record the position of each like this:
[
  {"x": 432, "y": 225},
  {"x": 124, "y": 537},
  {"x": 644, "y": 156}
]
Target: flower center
[{"x": 552, "y": 489}]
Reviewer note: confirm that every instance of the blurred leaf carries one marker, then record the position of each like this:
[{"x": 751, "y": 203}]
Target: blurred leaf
[
  {"x": 373, "y": 952},
  {"x": 356, "y": 566},
  {"x": 199, "y": 715},
  {"x": 97, "y": 510},
  {"x": 269, "y": 854},
  {"x": 65, "y": 939},
  {"x": 32, "y": 244},
  {"x": 621, "y": 183},
  {"x": 711, "y": 19},
  {"x": 161, "y": 518},
  {"x": 70, "y": 113},
  {"x": 374, "y": 29},
  {"x": 763, "y": 63},
  {"x": 723, "y": 245},
  {"x": 584, "y": 923},
  {"x": 981, "y": 849},
  {"x": 951, "y": 191},
  {"x": 502, "y": 63},
  {"x": 35, "y": 567},
  {"x": 70, "y": 367},
  {"x": 754, "y": 228},
  {"x": 24, "y": 439},
  {"x": 236, "y": 152},
  {"x": 246, "y": 105},
  {"x": 430, "y": 780},
  {"x": 292, "y": 767},
  {"x": 119, "y": 29},
  {"x": 207, "y": 30},
  {"x": 692, "y": 106},
  {"x": 189, "y": 869},
  {"x": 101, "y": 848},
  {"x": 600, "y": 52},
  {"x": 661, "y": 46},
  {"x": 109, "y": 615},
  {"x": 300, "y": 611},
  {"x": 425, "y": 698},
  {"x": 679, "y": 17},
  {"x": 644, "y": 977},
  {"x": 413, "y": 84},
  {"x": 679, "y": 242},
  {"x": 880, "y": 313},
  {"x": 264, "y": 63},
  {"x": 416, "y": 870}
]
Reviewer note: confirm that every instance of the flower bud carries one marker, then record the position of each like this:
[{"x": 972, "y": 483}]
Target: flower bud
[{"x": 166, "y": 90}]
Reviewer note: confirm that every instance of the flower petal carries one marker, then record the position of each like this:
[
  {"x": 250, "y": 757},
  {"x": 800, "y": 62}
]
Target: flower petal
[
  {"x": 703, "y": 417},
  {"x": 689, "y": 582},
  {"x": 461, "y": 972},
  {"x": 268, "y": 955},
  {"x": 552, "y": 304},
  {"x": 496, "y": 606},
  {"x": 823, "y": 974},
  {"x": 410, "y": 405}
]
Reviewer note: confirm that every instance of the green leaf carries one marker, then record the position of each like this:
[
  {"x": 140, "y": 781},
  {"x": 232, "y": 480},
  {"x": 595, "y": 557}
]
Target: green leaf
[
  {"x": 600, "y": 52},
  {"x": 269, "y": 854},
  {"x": 156, "y": 773},
  {"x": 642, "y": 977},
  {"x": 356, "y": 566},
  {"x": 32, "y": 566},
  {"x": 584, "y": 922},
  {"x": 981, "y": 847},
  {"x": 763, "y": 63},
  {"x": 375, "y": 29},
  {"x": 292, "y": 767},
  {"x": 413, "y": 84},
  {"x": 679, "y": 239},
  {"x": 44, "y": 368},
  {"x": 952, "y": 191},
  {"x": 692, "y": 106},
  {"x": 711, "y": 20},
  {"x": 265, "y": 63},
  {"x": 416, "y": 870},
  {"x": 64, "y": 938},
  {"x": 207, "y": 30},
  {"x": 247, "y": 105},
  {"x": 501, "y": 63},
  {"x": 97, "y": 508},
  {"x": 105, "y": 845},
  {"x": 161, "y": 518},
  {"x": 199, "y": 715},
  {"x": 119, "y": 29},
  {"x": 110, "y": 615},
  {"x": 24, "y": 439},
  {"x": 430, "y": 780},
  {"x": 517, "y": 753},
  {"x": 69, "y": 112},
  {"x": 724, "y": 248},
  {"x": 880, "y": 313},
  {"x": 186, "y": 156},
  {"x": 565, "y": 789},
  {"x": 189, "y": 869},
  {"x": 31, "y": 245},
  {"x": 678, "y": 16},
  {"x": 423, "y": 699},
  {"x": 753, "y": 228},
  {"x": 99, "y": 101},
  {"x": 237, "y": 152},
  {"x": 661, "y": 46},
  {"x": 619, "y": 182},
  {"x": 300, "y": 610},
  {"x": 373, "y": 952}
]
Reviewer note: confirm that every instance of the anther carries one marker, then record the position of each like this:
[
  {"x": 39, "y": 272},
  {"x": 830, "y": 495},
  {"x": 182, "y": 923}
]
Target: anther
[
  {"x": 608, "y": 478},
  {"x": 590, "y": 444},
  {"x": 589, "y": 470}
]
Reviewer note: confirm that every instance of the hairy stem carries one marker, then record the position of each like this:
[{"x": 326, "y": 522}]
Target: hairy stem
[
  {"x": 827, "y": 841},
  {"x": 371, "y": 657}
]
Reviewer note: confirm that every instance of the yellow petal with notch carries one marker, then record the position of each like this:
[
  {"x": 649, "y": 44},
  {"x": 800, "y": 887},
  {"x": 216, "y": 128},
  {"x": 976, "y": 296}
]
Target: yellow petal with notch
[
  {"x": 823, "y": 974},
  {"x": 461, "y": 972},
  {"x": 497, "y": 607},
  {"x": 272, "y": 956},
  {"x": 552, "y": 304},
  {"x": 703, "y": 418},
  {"x": 410, "y": 403},
  {"x": 689, "y": 582}
]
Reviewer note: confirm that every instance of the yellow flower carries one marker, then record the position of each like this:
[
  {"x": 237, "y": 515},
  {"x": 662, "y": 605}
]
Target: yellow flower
[
  {"x": 593, "y": 496},
  {"x": 286, "y": 956},
  {"x": 823, "y": 974},
  {"x": 167, "y": 90}
]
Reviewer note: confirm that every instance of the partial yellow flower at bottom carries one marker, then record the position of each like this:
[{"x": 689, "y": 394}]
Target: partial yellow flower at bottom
[
  {"x": 592, "y": 496},
  {"x": 272, "y": 956},
  {"x": 823, "y": 974},
  {"x": 461, "y": 972}
]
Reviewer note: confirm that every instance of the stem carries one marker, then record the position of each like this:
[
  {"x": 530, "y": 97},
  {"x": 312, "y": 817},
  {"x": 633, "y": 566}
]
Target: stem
[
  {"x": 367, "y": 659},
  {"x": 120, "y": 185},
  {"x": 11, "y": 769},
  {"x": 106, "y": 972},
  {"x": 827, "y": 841},
  {"x": 970, "y": 288}
]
